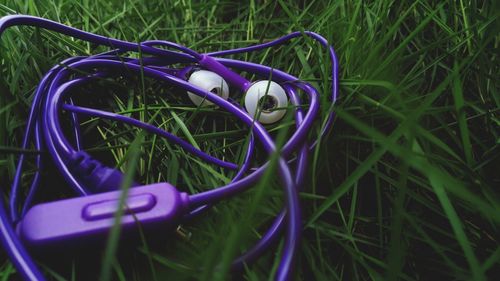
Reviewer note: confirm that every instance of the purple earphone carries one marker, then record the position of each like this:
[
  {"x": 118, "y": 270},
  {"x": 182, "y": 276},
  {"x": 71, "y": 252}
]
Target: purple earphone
[{"x": 210, "y": 76}]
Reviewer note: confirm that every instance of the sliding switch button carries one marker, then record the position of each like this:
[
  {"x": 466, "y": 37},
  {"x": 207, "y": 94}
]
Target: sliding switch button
[{"x": 107, "y": 209}]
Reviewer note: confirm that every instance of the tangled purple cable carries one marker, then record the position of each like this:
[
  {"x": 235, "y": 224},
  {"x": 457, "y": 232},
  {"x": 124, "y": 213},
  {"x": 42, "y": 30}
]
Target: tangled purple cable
[{"x": 88, "y": 176}]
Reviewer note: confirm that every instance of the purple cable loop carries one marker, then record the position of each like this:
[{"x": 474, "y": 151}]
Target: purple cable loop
[
  {"x": 275, "y": 229},
  {"x": 293, "y": 229},
  {"x": 291, "y": 238},
  {"x": 36, "y": 178},
  {"x": 48, "y": 102},
  {"x": 54, "y": 129},
  {"x": 34, "y": 111},
  {"x": 244, "y": 168},
  {"x": 284, "y": 39},
  {"x": 15, "y": 249},
  {"x": 13, "y": 20}
]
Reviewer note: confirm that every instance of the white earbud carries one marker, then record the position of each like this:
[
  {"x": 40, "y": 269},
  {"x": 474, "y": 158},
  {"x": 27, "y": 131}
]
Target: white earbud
[
  {"x": 269, "y": 98},
  {"x": 209, "y": 81}
]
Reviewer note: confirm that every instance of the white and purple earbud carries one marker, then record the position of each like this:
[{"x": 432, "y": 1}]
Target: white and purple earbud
[
  {"x": 266, "y": 100},
  {"x": 209, "y": 81}
]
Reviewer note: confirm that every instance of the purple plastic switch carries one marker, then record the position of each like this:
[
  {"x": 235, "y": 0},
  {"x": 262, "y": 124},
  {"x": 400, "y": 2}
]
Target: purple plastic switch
[{"x": 91, "y": 216}]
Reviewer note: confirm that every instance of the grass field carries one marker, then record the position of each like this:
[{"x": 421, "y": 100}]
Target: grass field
[{"x": 403, "y": 188}]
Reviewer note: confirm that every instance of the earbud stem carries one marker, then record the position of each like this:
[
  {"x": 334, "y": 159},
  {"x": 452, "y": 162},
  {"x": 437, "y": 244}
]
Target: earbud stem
[{"x": 230, "y": 76}]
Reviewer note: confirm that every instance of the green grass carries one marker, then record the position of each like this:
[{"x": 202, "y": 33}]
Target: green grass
[{"x": 405, "y": 187}]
